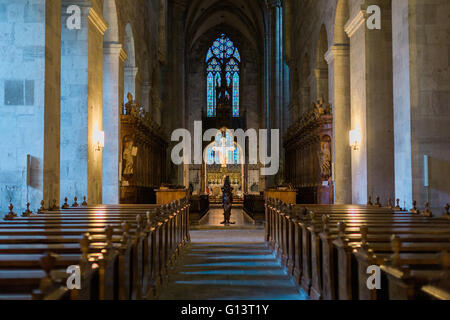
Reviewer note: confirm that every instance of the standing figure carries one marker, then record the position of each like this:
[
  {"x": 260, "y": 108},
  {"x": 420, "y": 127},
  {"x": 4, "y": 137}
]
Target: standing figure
[{"x": 227, "y": 201}]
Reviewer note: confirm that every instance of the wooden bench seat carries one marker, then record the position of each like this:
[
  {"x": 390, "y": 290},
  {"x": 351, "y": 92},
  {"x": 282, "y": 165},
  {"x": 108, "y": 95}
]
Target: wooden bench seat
[
  {"x": 320, "y": 255},
  {"x": 147, "y": 248}
]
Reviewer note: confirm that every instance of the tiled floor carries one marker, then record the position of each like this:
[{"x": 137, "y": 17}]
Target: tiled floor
[
  {"x": 215, "y": 217},
  {"x": 230, "y": 264}
]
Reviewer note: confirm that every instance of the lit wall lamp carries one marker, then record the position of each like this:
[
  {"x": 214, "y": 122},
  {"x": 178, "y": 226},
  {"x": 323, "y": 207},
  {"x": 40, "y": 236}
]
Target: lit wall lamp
[
  {"x": 99, "y": 139},
  {"x": 355, "y": 139}
]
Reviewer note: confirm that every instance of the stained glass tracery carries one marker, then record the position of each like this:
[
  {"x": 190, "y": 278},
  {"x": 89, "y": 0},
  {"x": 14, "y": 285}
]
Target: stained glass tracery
[{"x": 222, "y": 59}]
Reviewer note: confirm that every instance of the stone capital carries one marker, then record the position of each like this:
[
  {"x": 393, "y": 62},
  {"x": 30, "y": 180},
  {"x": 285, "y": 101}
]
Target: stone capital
[
  {"x": 112, "y": 48},
  {"x": 133, "y": 71},
  {"x": 274, "y": 4},
  {"x": 146, "y": 86},
  {"x": 337, "y": 50}
]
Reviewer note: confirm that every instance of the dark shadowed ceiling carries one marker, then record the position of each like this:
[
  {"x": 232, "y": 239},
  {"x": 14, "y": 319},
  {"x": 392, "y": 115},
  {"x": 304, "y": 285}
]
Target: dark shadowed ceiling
[{"x": 246, "y": 16}]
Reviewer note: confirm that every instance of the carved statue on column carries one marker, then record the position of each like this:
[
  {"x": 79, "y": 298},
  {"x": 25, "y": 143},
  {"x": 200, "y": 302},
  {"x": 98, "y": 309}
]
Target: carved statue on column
[
  {"x": 325, "y": 159},
  {"x": 128, "y": 158},
  {"x": 130, "y": 106}
]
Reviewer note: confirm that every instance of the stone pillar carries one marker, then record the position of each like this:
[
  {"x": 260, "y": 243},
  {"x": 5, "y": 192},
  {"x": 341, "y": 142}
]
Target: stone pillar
[
  {"x": 338, "y": 59},
  {"x": 305, "y": 99},
  {"x": 321, "y": 75},
  {"x": 146, "y": 90},
  {"x": 52, "y": 102},
  {"x": 175, "y": 111},
  {"x": 421, "y": 95},
  {"x": 130, "y": 74},
  {"x": 113, "y": 73},
  {"x": 275, "y": 78},
  {"x": 29, "y": 103},
  {"x": 81, "y": 104},
  {"x": 372, "y": 106}
]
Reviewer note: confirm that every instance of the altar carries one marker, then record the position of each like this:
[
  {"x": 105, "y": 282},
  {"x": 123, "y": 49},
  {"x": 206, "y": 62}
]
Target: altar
[{"x": 222, "y": 159}]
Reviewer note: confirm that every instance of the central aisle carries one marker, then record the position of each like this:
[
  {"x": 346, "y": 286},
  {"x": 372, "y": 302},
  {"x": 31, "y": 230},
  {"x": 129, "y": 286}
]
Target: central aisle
[{"x": 230, "y": 264}]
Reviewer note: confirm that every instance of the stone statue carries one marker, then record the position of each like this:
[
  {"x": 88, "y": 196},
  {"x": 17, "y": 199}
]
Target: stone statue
[
  {"x": 128, "y": 160},
  {"x": 227, "y": 201},
  {"x": 129, "y": 106},
  {"x": 325, "y": 159}
]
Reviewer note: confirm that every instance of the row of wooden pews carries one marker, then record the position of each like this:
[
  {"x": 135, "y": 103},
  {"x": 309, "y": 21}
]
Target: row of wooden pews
[
  {"x": 329, "y": 248},
  {"x": 124, "y": 252}
]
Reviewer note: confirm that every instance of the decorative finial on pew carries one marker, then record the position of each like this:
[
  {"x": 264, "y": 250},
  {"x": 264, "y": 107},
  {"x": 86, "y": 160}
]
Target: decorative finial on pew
[
  {"x": 75, "y": 203},
  {"x": 312, "y": 216},
  {"x": 148, "y": 215},
  {"x": 65, "y": 205},
  {"x": 398, "y": 208},
  {"x": 325, "y": 220},
  {"x": 11, "y": 215},
  {"x": 27, "y": 212},
  {"x": 414, "y": 210},
  {"x": 341, "y": 229},
  {"x": 47, "y": 263},
  {"x": 125, "y": 235},
  {"x": 396, "y": 246},
  {"x": 447, "y": 208},
  {"x": 303, "y": 212},
  {"x": 109, "y": 230},
  {"x": 84, "y": 243},
  {"x": 364, "y": 230},
  {"x": 42, "y": 209},
  {"x": 84, "y": 204},
  {"x": 369, "y": 202},
  {"x": 389, "y": 205},
  {"x": 378, "y": 203},
  {"x": 139, "y": 222},
  {"x": 427, "y": 212},
  {"x": 54, "y": 206}
]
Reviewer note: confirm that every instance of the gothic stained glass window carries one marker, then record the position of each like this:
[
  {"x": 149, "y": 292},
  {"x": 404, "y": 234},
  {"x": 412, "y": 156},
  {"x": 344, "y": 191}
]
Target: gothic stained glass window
[
  {"x": 236, "y": 95},
  {"x": 222, "y": 59}
]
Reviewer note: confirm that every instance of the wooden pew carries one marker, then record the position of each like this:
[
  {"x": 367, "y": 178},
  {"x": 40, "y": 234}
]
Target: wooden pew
[
  {"x": 160, "y": 240},
  {"x": 306, "y": 247}
]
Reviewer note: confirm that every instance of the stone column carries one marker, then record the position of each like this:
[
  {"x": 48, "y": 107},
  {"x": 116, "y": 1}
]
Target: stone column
[
  {"x": 338, "y": 59},
  {"x": 113, "y": 98},
  {"x": 305, "y": 99},
  {"x": 275, "y": 77},
  {"x": 130, "y": 74},
  {"x": 30, "y": 103},
  {"x": 321, "y": 75},
  {"x": 52, "y": 103},
  {"x": 82, "y": 104},
  {"x": 421, "y": 95},
  {"x": 372, "y": 106},
  {"x": 175, "y": 111},
  {"x": 146, "y": 90}
]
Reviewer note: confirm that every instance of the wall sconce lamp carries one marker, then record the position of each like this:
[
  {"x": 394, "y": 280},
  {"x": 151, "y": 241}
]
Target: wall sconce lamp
[
  {"x": 99, "y": 139},
  {"x": 355, "y": 139}
]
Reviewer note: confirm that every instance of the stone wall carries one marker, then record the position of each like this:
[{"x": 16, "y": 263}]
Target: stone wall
[
  {"x": 53, "y": 122},
  {"x": 422, "y": 92},
  {"x": 29, "y": 103},
  {"x": 398, "y": 88}
]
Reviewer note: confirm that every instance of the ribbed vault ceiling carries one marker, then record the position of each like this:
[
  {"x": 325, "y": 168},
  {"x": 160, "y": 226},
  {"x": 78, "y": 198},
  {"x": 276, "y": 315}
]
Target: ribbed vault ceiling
[{"x": 246, "y": 16}]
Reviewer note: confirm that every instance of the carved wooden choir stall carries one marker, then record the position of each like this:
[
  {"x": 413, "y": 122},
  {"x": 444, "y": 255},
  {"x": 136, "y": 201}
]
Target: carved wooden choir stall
[
  {"x": 143, "y": 155},
  {"x": 308, "y": 144}
]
